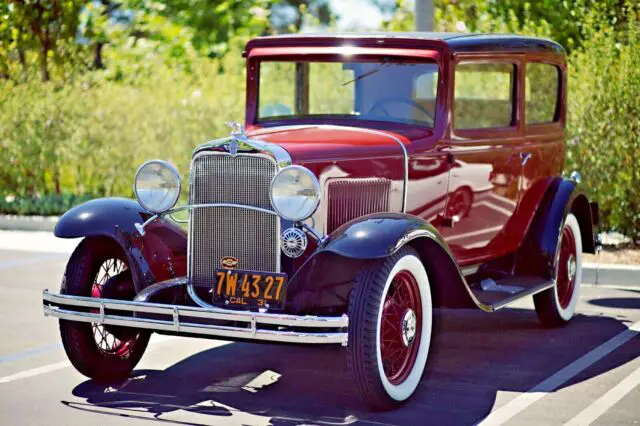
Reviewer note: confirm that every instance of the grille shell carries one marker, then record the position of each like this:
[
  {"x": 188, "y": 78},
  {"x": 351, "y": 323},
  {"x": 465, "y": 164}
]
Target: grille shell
[{"x": 250, "y": 236}]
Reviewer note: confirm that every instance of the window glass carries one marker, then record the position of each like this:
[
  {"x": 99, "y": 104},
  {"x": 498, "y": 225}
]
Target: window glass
[
  {"x": 277, "y": 89},
  {"x": 483, "y": 95},
  {"x": 385, "y": 89},
  {"x": 542, "y": 90}
]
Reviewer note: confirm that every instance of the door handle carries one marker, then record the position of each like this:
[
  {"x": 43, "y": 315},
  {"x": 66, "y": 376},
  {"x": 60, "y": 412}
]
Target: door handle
[{"x": 524, "y": 158}]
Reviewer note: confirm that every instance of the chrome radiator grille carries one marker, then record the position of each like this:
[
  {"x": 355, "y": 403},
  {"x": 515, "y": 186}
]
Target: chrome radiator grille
[{"x": 249, "y": 236}]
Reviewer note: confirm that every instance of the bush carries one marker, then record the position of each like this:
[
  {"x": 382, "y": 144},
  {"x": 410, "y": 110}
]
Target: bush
[
  {"x": 604, "y": 120},
  {"x": 48, "y": 205},
  {"x": 89, "y": 136}
]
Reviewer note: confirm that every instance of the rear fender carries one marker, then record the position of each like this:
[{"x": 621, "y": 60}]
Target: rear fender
[
  {"x": 324, "y": 282},
  {"x": 158, "y": 255},
  {"x": 537, "y": 254}
]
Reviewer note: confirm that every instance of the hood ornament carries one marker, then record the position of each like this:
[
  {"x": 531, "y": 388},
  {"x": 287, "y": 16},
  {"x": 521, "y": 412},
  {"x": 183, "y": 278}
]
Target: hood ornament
[{"x": 237, "y": 132}]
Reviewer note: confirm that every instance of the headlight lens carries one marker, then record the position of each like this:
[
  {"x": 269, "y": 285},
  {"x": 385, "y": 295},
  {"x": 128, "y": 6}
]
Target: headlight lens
[
  {"x": 157, "y": 186},
  {"x": 295, "y": 193}
]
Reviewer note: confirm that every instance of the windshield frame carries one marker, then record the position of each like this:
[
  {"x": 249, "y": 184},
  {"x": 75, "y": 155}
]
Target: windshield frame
[{"x": 340, "y": 54}]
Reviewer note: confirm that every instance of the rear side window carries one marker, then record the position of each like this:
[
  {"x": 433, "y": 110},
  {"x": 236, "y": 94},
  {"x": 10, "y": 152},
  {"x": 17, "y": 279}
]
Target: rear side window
[
  {"x": 542, "y": 93},
  {"x": 484, "y": 95}
]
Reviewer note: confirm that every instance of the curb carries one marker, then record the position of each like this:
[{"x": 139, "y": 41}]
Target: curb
[
  {"x": 28, "y": 223},
  {"x": 592, "y": 273},
  {"x": 609, "y": 274}
]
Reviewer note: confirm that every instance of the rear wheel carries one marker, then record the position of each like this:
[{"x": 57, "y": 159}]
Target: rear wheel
[
  {"x": 390, "y": 321},
  {"x": 557, "y": 305},
  {"x": 104, "y": 353}
]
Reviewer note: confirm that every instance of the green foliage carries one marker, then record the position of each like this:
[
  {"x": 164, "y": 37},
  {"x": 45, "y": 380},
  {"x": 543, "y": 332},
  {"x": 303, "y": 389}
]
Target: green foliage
[
  {"x": 47, "y": 205},
  {"x": 90, "y": 136},
  {"x": 604, "y": 119}
]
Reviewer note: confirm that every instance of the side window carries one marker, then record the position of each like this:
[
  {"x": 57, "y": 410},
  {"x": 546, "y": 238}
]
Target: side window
[
  {"x": 542, "y": 93},
  {"x": 484, "y": 95}
]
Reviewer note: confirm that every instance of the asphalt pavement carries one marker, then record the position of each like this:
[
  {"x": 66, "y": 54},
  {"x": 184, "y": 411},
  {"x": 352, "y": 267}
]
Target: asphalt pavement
[{"x": 489, "y": 369}]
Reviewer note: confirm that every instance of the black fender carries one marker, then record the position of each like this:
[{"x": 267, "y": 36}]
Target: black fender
[
  {"x": 537, "y": 254},
  {"x": 157, "y": 255},
  {"x": 323, "y": 283}
]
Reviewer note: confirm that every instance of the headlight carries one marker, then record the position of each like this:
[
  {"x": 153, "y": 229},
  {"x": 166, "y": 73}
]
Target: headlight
[
  {"x": 295, "y": 193},
  {"x": 157, "y": 186}
]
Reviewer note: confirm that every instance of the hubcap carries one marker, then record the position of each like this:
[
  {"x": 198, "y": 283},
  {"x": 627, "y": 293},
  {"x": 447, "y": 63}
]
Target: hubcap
[
  {"x": 571, "y": 267},
  {"x": 408, "y": 327},
  {"x": 567, "y": 268},
  {"x": 400, "y": 328}
]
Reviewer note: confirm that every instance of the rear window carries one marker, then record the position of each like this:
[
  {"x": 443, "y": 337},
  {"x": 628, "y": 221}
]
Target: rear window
[
  {"x": 542, "y": 93},
  {"x": 484, "y": 94}
]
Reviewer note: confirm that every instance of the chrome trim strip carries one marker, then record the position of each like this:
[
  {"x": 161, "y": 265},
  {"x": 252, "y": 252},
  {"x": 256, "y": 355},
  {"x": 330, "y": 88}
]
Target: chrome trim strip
[
  {"x": 394, "y": 138},
  {"x": 179, "y": 325},
  {"x": 276, "y": 152}
]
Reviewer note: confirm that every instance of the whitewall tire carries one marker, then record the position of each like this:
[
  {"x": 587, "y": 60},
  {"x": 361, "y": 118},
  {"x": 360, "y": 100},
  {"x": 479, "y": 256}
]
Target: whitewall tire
[
  {"x": 557, "y": 305},
  {"x": 390, "y": 324}
]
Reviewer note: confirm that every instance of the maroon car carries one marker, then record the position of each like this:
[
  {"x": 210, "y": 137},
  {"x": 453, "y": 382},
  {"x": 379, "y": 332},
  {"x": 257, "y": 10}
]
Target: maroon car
[{"x": 379, "y": 176}]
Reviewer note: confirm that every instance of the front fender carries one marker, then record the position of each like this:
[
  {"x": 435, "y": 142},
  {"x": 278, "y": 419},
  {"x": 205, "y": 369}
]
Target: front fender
[
  {"x": 324, "y": 282},
  {"x": 378, "y": 235},
  {"x": 158, "y": 255}
]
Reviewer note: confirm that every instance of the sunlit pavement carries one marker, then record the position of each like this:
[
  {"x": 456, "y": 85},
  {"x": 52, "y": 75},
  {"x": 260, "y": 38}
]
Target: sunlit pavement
[{"x": 491, "y": 368}]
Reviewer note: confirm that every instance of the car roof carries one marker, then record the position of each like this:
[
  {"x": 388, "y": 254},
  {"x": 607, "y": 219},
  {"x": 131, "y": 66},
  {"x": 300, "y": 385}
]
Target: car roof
[{"x": 457, "y": 42}]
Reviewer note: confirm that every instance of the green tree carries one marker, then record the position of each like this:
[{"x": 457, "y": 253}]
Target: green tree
[{"x": 48, "y": 26}]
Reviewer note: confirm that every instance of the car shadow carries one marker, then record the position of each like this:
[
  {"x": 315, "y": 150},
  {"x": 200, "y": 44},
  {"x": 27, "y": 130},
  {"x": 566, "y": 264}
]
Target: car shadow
[
  {"x": 619, "y": 302},
  {"x": 474, "y": 356}
]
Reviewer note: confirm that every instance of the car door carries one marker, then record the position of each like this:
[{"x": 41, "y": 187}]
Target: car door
[
  {"x": 543, "y": 149},
  {"x": 485, "y": 165}
]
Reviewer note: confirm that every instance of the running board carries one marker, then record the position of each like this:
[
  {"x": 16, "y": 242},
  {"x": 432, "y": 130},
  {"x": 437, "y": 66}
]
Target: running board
[{"x": 501, "y": 293}]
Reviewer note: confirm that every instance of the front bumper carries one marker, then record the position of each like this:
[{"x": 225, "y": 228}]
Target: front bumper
[{"x": 198, "y": 321}]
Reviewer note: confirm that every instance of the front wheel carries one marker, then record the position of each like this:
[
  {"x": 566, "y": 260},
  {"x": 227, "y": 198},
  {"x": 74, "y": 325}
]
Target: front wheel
[
  {"x": 557, "y": 305},
  {"x": 390, "y": 321},
  {"x": 104, "y": 353}
]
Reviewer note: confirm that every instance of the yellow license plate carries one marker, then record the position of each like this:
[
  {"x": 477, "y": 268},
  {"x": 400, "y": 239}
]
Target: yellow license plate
[{"x": 249, "y": 289}]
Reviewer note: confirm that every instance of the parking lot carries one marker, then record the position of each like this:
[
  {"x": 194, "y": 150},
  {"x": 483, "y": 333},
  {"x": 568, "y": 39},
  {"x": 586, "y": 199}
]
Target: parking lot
[{"x": 484, "y": 368}]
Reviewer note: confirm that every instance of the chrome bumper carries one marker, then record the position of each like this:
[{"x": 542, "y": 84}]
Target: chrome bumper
[{"x": 283, "y": 327}]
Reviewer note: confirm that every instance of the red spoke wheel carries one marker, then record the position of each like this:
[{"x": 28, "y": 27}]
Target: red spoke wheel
[
  {"x": 106, "y": 341},
  {"x": 400, "y": 327},
  {"x": 556, "y": 306},
  {"x": 390, "y": 319},
  {"x": 102, "y": 352}
]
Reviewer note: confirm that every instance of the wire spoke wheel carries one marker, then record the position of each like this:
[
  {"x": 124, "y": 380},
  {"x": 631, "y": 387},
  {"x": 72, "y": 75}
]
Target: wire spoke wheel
[
  {"x": 106, "y": 342},
  {"x": 400, "y": 327},
  {"x": 566, "y": 267}
]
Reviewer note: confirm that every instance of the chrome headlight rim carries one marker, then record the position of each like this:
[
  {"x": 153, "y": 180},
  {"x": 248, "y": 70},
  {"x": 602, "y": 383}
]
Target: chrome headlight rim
[
  {"x": 316, "y": 185},
  {"x": 176, "y": 175}
]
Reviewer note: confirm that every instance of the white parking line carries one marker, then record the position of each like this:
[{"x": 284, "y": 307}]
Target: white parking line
[
  {"x": 158, "y": 339},
  {"x": 16, "y": 263},
  {"x": 606, "y": 401},
  {"x": 35, "y": 371},
  {"x": 539, "y": 391}
]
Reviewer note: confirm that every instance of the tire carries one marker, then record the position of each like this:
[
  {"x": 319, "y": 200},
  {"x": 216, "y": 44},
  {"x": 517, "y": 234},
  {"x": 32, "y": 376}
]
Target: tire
[
  {"x": 557, "y": 305},
  {"x": 91, "y": 348},
  {"x": 386, "y": 375}
]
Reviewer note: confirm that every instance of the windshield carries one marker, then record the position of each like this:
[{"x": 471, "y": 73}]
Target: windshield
[{"x": 383, "y": 90}]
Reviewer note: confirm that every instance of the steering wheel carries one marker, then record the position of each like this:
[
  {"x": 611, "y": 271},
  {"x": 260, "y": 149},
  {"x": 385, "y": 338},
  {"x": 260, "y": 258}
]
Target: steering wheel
[{"x": 378, "y": 105}]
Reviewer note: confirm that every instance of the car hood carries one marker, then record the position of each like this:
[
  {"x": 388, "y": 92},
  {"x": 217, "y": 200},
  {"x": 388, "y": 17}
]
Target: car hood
[{"x": 314, "y": 143}]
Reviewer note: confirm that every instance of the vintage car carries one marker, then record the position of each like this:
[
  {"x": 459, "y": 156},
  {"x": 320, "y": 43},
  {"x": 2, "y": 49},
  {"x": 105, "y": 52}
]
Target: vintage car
[{"x": 377, "y": 177}]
